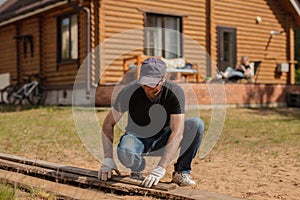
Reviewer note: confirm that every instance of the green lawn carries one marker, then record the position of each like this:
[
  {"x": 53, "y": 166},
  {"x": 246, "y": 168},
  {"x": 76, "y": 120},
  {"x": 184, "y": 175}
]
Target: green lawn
[
  {"x": 49, "y": 132},
  {"x": 7, "y": 192}
]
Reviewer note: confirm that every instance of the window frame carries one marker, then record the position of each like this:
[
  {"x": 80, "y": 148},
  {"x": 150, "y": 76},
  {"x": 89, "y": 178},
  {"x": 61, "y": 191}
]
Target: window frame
[
  {"x": 163, "y": 27},
  {"x": 60, "y": 18}
]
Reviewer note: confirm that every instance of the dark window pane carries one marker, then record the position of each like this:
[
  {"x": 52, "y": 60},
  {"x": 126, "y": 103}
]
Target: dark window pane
[
  {"x": 68, "y": 37},
  {"x": 172, "y": 37},
  {"x": 74, "y": 37},
  {"x": 65, "y": 38},
  {"x": 228, "y": 48}
]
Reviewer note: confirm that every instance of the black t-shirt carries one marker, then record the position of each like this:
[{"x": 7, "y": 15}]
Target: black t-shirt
[
  {"x": 148, "y": 118},
  {"x": 246, "y": 67}
]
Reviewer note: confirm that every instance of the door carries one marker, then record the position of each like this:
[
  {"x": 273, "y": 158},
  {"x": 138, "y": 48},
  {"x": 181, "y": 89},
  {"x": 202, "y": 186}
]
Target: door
[{"x": 226, "y": 47}]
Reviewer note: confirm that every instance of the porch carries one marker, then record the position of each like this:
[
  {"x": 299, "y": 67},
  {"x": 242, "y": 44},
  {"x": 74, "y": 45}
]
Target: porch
[{"x": 230, "y": 94}]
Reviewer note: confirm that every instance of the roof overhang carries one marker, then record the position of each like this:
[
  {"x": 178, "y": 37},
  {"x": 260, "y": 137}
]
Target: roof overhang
[
  {"x": 293, "y": 7},
  {"x": 296, "y": 6},
  {"x": 32, "y": 13}
]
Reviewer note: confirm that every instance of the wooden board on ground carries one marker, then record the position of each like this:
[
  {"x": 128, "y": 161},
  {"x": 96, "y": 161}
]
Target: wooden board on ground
[
  {"x": 59, "y": 190},
  {"x": 62, "y": 173},
  {"x": 79, "y": 171}
]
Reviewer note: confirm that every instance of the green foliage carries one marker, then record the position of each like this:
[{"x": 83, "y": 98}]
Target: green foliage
[
  {"x": 7, "y": 192},
  {"x": 297, "y": 75}
]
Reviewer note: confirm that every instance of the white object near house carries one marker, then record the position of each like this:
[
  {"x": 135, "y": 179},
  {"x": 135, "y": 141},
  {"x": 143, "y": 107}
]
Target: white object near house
[
  {"x": 4, "y": 80},
  {"x": 283, "y": 67}
]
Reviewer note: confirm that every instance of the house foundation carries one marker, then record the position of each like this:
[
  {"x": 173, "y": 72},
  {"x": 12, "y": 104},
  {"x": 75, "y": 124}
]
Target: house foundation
[{"x": 232, "y": 95}]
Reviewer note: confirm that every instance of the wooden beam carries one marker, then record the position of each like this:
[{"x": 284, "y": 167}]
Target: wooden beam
[
  {"x": 80, "y": 180},
  {"x": 61, "y": 191},
  {"x": 291, "y": 44},
  {"x": 83, "y": 177},
  {"x": 58, "y": 168}
]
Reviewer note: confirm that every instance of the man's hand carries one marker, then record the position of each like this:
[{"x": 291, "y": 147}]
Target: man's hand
[
  {"x": 106, "y": 169},
  {"x": 154, "y": 177}
]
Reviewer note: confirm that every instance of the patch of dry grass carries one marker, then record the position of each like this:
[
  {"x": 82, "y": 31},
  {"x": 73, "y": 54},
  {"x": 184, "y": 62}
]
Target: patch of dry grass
[{"x": 49, "y": 133}]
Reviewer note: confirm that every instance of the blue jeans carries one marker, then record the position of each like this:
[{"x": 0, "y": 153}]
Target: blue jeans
[
  {"x": 131, "y": 149},
  {"x": 233, "y": 73}
]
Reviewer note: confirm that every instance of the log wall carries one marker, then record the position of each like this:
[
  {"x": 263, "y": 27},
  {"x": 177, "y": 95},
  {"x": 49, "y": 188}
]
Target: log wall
[{"x": 253, "y": 38}]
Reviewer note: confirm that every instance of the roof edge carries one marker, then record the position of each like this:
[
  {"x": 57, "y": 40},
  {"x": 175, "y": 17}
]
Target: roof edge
[
  {"x": 31, "y": 13},
  {"x": 296, "y": 5}
]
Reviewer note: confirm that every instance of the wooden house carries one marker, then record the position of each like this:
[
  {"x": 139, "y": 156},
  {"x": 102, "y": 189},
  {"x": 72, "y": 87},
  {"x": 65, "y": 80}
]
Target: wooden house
[{"x": 54, "y": 37}]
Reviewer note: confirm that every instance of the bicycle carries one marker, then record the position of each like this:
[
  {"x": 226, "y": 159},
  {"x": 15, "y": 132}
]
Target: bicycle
[{"x": 32, "y": 91}]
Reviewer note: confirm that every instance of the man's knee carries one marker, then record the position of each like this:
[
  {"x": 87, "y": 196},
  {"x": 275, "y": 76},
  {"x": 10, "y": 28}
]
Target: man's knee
[
  {"x": 130, "y": 151},
  {"x": 201, "y": 125},
  {"x": 131, "y": 144},
  {"x": 196, "y": 123}
]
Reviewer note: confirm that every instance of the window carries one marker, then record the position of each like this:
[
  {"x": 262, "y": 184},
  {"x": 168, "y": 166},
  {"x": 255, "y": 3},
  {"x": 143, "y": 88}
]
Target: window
[
  {"x": 68, "y": 38},
  {"x": 163, "y": 36}
]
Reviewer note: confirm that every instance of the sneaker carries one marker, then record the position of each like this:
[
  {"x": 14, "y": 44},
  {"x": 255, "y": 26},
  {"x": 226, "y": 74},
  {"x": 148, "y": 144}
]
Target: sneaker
[
  {"x": 136, "y": 175},
  {"x": 182, "y": 179}
]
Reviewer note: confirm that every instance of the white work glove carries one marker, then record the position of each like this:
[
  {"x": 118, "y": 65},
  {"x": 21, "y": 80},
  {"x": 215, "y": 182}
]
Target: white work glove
[
  {"x": 154, "y": 177},
  {"x": 106, "y": 169}
]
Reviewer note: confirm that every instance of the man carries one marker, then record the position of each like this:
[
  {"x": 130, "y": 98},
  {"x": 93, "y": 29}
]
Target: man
[{"x": 156, "y": 126}]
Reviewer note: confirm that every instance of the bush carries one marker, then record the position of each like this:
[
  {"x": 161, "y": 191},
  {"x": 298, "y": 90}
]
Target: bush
[{"x": 297, "y": 76}]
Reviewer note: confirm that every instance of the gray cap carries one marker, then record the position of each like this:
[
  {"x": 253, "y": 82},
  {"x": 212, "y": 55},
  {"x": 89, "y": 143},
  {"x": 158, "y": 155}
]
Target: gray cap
[{"x": 152, "y": 71}]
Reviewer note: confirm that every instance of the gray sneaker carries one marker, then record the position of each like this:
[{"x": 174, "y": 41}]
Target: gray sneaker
[
  {"x": 182, "y": 179},
  {"x": 136, "y": 175}
]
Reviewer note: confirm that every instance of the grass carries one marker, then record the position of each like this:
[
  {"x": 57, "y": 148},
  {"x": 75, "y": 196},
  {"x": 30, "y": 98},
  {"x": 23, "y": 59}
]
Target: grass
[
  {"x": 7, "y": 192},
  {"x": 37, "y": 193},
  {"x": 40, "y": 132},
  {"x": 263, "y": 127},
  {"x": 50, "y": 132}
]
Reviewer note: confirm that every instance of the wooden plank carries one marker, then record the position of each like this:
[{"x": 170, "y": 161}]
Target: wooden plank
[
  {"x": 66, "y": 177},
  {"x": 60, "y": 176},
  {"x": 58, "y": 189},
  {"x": 156, "y": 5},
  {"x": 78, "y": 171}
]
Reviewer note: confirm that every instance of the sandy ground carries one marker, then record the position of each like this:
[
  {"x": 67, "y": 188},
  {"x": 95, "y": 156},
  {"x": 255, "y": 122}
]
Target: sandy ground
[
  {"x": 260, "y": 177},
  {"x": 264, "y": 175}
]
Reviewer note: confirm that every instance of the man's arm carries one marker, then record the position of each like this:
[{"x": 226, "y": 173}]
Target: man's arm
[
  {"x": 177, "y": 127},
  {"x": 108, "y": 132},
  {"x": 108, "y": 164}
]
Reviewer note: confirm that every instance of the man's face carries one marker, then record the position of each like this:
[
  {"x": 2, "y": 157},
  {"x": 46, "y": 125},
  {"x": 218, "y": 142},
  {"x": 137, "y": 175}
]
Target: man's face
[{"x": 152, "y": 93}]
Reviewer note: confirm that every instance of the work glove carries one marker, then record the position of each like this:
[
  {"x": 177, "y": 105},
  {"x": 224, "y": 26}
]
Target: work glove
[
  {"x": 106, "y": 169},
  {"x": 154, "y": 177}
]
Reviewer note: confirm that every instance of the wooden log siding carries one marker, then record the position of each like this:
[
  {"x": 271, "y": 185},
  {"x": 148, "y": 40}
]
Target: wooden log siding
[
  {"x": 120, "y": 16},
  {"x": 253, "y": 39},
  {"x": 61, "y": 74},
  {"x": 8, "y": 51},
  {"x": 110, "y": 17},
  {"x": 29, "y": 64}
]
